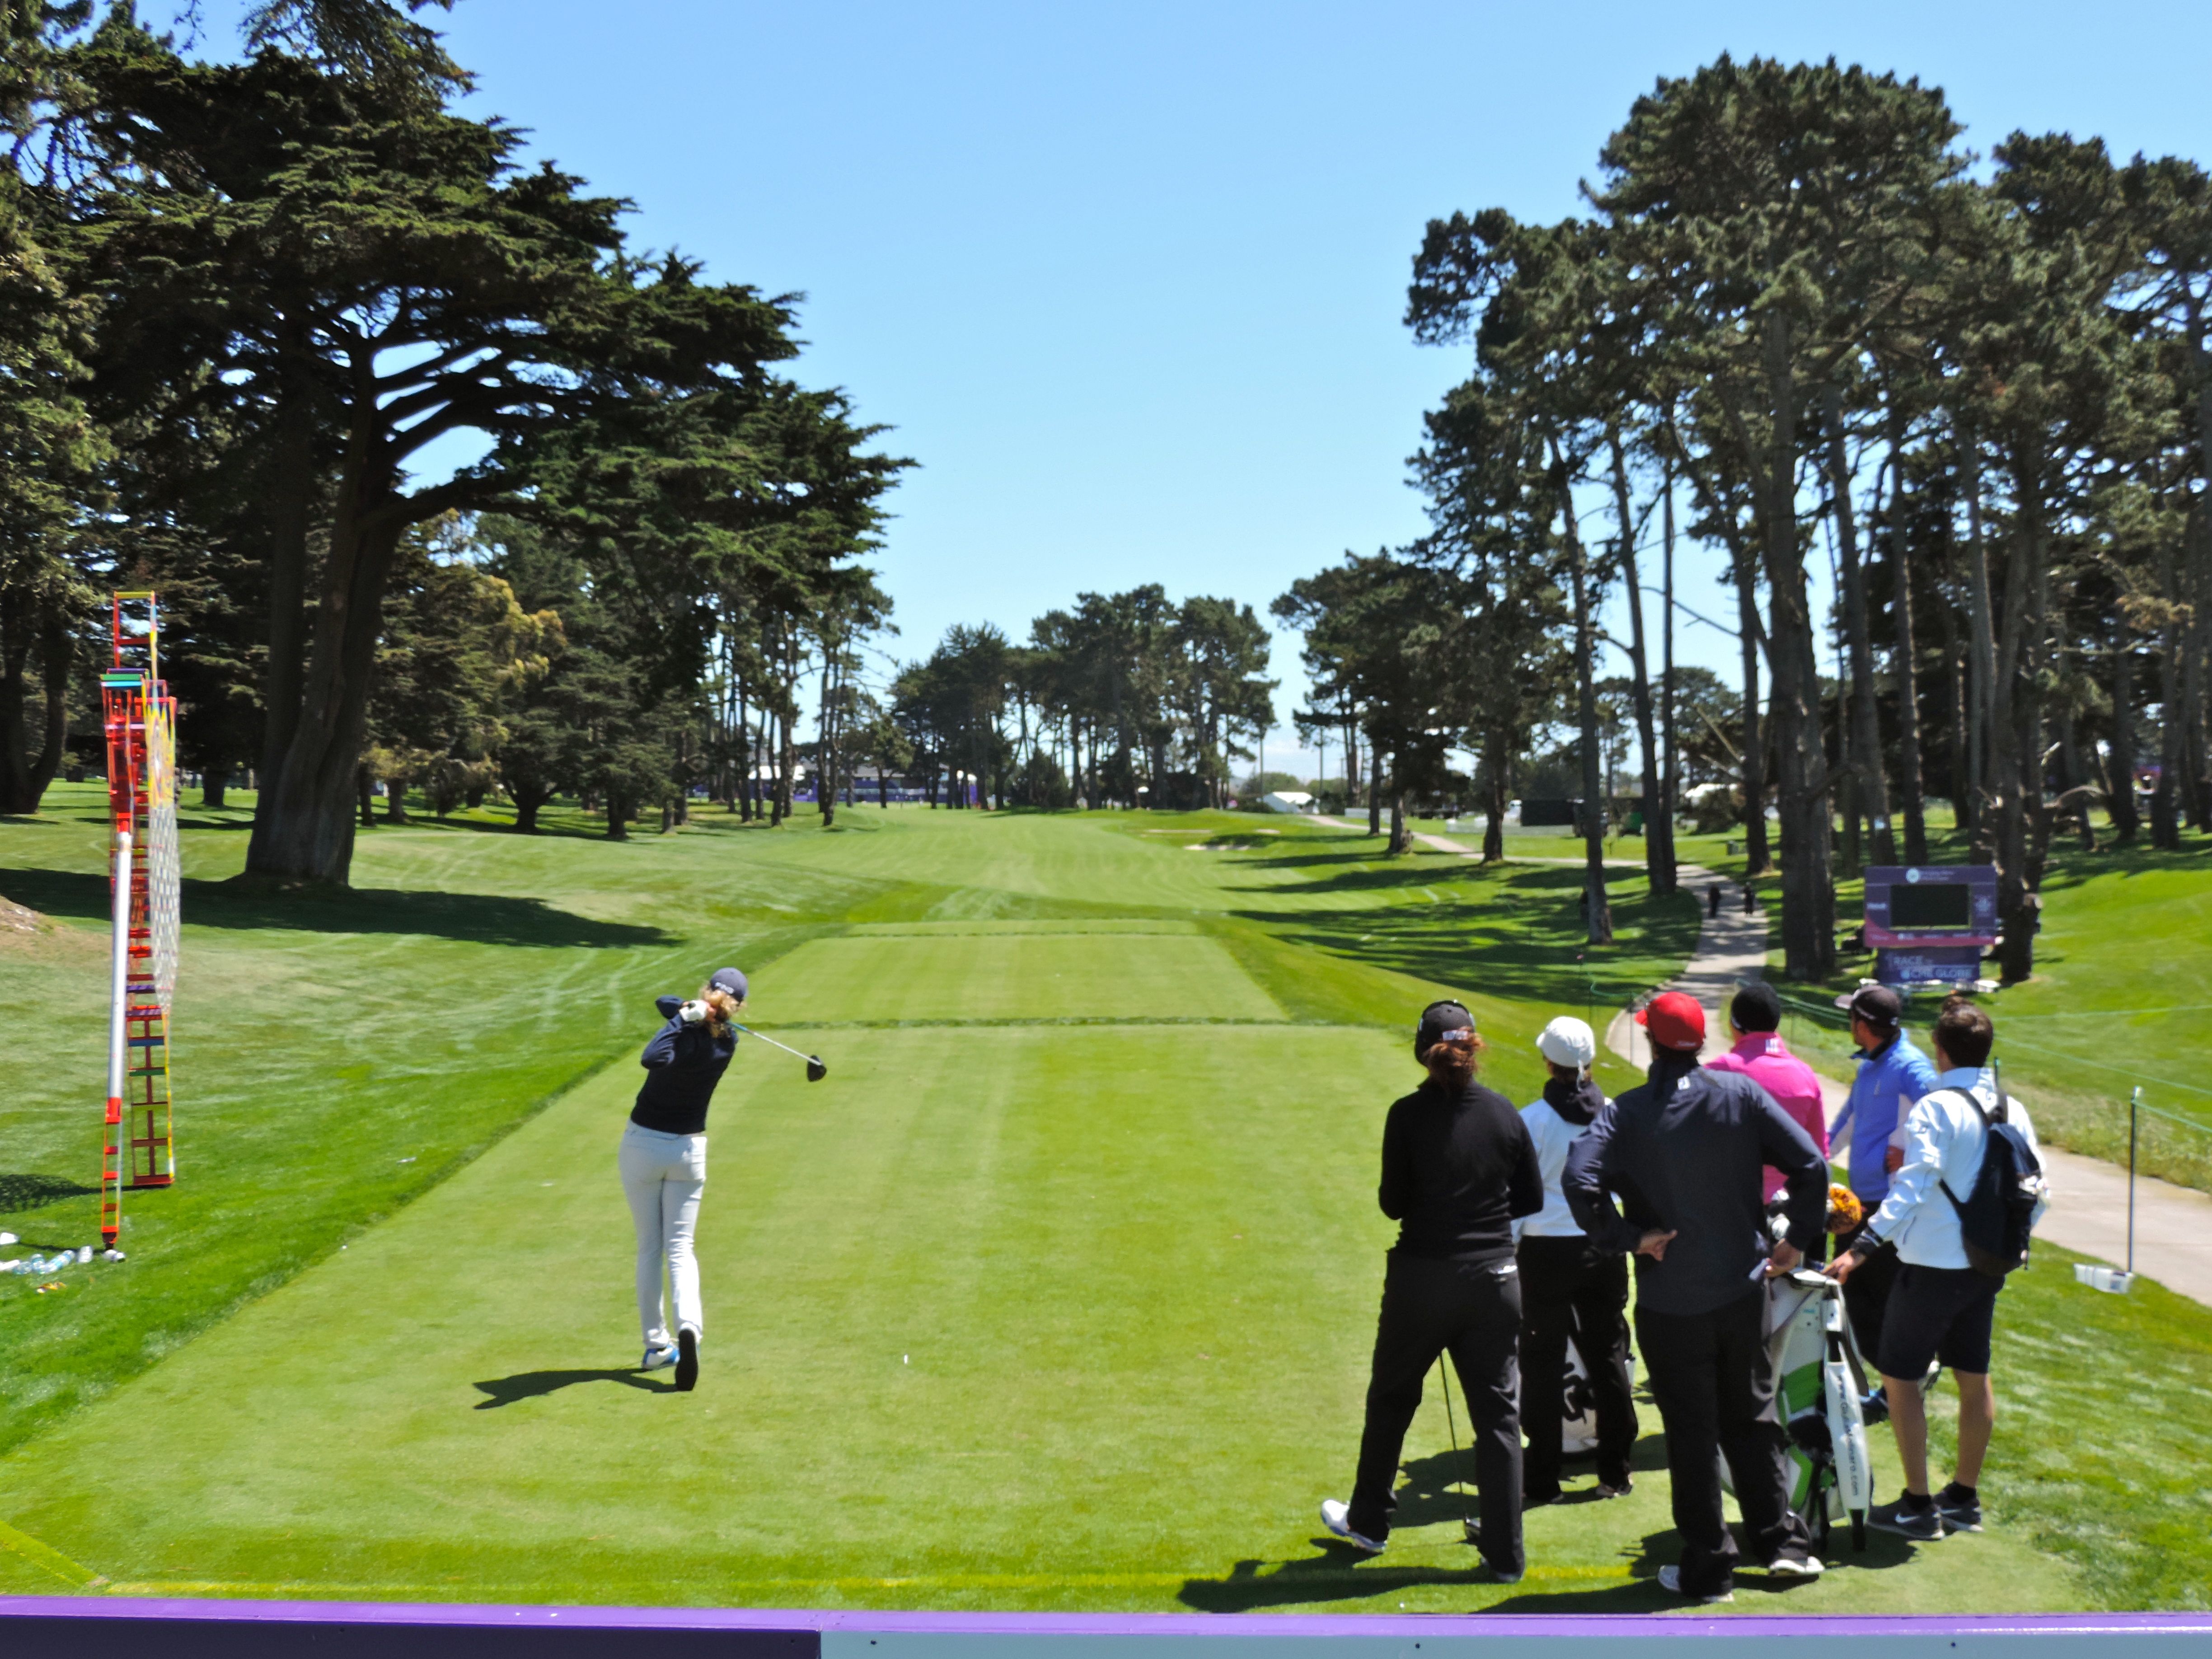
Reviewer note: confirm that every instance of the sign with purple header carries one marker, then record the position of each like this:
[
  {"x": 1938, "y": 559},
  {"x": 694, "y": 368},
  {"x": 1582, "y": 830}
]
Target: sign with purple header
[{"x": 1930, "y": 922}]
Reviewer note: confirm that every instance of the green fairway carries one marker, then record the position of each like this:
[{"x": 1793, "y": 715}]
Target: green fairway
[{"x": 1057, "y": 1293}]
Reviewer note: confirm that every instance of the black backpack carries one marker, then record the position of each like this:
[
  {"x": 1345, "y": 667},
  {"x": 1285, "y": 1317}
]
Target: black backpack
[{"x": 1998, "y": 1214}]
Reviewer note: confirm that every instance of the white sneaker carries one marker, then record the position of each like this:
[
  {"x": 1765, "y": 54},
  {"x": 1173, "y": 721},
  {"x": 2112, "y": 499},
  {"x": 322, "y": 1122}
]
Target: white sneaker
[
  {"x": 658, "y": 1356},
  {"x": 1794, "y": 1567},
  {"x": 1336, "y": 1516},
  {"x": 1670, "y": 1579}
]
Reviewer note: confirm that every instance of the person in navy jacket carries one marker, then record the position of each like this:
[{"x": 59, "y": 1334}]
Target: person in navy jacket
[
  {"x": 1683, "y": 1152},
  {"x": 664, "y": 1163}
]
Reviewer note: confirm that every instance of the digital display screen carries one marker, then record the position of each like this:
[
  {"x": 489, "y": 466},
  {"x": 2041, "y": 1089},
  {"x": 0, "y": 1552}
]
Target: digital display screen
[{"x": 1945, "y": 905}]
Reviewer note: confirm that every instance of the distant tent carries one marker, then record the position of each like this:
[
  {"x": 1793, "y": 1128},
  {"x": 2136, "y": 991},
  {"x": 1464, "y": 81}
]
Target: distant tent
[{"x": 1288, "y": 800}]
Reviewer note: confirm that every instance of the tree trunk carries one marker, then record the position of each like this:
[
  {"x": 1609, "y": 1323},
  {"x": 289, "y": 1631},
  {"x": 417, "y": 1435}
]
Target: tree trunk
[
  {"x": 1493, "y": 831},
  {"x": 1658, "y": 819},
  {"x": 1402, "y": 838},
  {"x": 1988, "y": 700},
  {"x": 1670, "y": 782},
  {"x": 620, "y": 806},
  {"x": 214, "y": 783},
  {"x": 2020, "y": 750},
  {"x": 1873, "y": 791},
  {"x": 365, "y": 787},
  {"x": 527, "y": 803},
  {"x": 1759, "y": 857},
  {"x": 29, "y": 625},
  {"x": 303, "y": 824},
  {"x": 2172, "y": 725},
  {"x": 1597, "y": 909},
  {"x": 1809, "y": 900},
  {"x": 1373, "y": 788},
  {"x": 1903, "y": 665},
  {"x": 290, "y": 511}
]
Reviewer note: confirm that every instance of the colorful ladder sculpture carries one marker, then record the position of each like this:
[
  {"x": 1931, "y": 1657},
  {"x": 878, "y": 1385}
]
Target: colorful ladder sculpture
[{"x": 139, "y": 1148}]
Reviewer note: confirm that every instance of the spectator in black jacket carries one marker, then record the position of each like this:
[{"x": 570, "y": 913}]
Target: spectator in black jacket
[
  {"x": 1458, "y": 1167},
  {"x": 664, "y": 1163},
  {"x": 1683, "y": 1152}
]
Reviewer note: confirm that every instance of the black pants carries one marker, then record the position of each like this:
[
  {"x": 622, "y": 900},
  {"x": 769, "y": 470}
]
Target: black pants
[
  {"x": 1716, "y": 1393},
  {"x": 1570, "y": 1289},
  {"x": 1866, "y": 1293},
  {"x": 1473, "y": 1312}
]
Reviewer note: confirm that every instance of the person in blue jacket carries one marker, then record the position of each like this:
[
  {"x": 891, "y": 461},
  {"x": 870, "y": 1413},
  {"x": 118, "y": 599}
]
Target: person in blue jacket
[
  {"x": 1893, "y": 1074},
  {"x": 664, "y": 1163}
]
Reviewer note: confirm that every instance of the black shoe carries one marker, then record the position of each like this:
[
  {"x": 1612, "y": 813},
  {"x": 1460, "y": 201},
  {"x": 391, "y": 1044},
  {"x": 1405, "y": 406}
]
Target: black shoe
[
  {"x": 687, "y": 1360},
  {"x": 1906, "y": 1521},
  {"x": 1959, "y": 1512},
  {"x": 1536, "y": 1500}
]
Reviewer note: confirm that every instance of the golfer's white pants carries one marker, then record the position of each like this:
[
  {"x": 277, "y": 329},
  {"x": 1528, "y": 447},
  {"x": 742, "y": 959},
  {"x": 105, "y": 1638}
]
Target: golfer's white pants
[{"x": 663, "y": 1176}]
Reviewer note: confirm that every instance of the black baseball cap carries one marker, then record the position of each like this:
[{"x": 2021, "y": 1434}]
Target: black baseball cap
[
  {"x": 1877, "y": 1004},
  {"x": 1756, "y": 1008},
  {"x": 730, "y": 979},
  {"x": 1438, "y": 1019}
]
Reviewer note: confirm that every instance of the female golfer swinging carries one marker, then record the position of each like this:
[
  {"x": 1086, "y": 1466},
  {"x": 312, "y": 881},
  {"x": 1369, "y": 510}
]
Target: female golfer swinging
[
  {"x": 1458, "y": 1167},
  {"x": 664, "y": 1163}
]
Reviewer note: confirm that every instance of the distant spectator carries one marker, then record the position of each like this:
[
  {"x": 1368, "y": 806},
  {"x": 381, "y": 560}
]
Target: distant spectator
[
  {"x": 1941, "y": 1309},
  {"x": 1713, "y": 899},
  {"x": 1754, "y": 1022},
  {"x": 1893, "y": 1073}
]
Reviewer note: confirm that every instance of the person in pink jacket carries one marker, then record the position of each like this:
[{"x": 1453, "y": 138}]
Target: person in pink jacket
[{"x": 1754, "y": 1025}]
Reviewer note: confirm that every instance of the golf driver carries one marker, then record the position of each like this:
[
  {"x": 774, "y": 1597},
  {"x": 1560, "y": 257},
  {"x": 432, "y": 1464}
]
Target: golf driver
[
  {"x": 815, "y": 1071},
  {"x": 1443, "y": 1375}
]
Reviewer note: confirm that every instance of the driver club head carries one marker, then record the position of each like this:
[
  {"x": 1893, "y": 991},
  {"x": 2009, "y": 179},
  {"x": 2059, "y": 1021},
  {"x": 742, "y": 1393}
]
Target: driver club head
[{"x": 815, "y": 1071}]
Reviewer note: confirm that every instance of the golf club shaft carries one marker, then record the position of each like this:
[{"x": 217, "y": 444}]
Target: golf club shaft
[
  {"x": 1443, "y": 1375},
  {"x": 768, "y": 1040}
]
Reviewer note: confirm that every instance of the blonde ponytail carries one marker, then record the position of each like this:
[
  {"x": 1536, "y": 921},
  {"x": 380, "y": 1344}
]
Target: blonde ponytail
[{"x": 721, "y": 1009}]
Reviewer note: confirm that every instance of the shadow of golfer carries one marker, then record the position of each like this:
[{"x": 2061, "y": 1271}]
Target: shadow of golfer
[{"x": 532, "y": 1385}]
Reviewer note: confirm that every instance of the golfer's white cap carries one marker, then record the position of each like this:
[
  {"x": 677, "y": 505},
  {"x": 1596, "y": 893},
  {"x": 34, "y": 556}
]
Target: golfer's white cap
[{"x": 1568, "y": 1041}]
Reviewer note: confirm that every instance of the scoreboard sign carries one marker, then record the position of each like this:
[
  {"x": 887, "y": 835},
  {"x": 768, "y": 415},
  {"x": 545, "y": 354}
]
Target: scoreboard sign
[{"x": 1930, "y": 922}]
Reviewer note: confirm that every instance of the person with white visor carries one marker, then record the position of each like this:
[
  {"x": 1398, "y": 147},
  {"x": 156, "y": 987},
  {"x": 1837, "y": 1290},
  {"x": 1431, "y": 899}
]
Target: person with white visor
[
  {"x": 1569, "y": 1288},
  {"x": 664, "y": 1163}
]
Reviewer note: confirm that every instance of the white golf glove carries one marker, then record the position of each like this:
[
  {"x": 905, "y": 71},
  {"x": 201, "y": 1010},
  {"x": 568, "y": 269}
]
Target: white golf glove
[{"x": 692, "y": 1013}]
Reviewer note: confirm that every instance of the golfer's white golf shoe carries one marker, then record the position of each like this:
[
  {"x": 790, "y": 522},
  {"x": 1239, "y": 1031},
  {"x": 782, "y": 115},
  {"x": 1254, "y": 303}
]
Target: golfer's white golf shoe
[
  {"x": 658, "y": 1357},
  {"x": 1336, "y": 1516}
]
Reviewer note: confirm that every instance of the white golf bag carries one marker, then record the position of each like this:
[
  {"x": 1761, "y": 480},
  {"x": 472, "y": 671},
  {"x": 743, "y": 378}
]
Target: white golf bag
[
  {"x": 1578, "y": 1400},
  {"x": 1819, "y": 1381}
]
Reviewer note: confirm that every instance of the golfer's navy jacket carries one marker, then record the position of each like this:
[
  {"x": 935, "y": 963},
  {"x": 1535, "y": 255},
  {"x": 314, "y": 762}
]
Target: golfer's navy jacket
[
  {"x": 682, "y": 1064},
  {"x": 1683, "y": 1152}
]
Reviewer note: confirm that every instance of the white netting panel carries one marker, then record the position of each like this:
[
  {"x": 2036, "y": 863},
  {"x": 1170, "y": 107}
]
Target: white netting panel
[{"x": 163, "y": 871}]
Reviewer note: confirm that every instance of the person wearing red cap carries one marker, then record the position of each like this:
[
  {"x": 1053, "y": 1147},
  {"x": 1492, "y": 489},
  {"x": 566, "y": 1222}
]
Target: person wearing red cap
[{"x": 1683, "y": 1153}]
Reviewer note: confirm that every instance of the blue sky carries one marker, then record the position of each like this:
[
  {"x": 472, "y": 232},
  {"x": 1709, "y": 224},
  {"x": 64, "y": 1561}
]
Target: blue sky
[{"x": 1128, "y": 279}]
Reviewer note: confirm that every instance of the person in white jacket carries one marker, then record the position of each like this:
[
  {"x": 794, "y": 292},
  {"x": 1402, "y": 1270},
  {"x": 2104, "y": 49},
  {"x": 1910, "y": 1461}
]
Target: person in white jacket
[
  {"x": 1941, "y": 1309},
  {"x": 1569, "y": 1288}
]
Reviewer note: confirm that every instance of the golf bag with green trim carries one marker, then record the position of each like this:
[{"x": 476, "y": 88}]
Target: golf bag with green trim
[{"x": 1819, "y": 1382}]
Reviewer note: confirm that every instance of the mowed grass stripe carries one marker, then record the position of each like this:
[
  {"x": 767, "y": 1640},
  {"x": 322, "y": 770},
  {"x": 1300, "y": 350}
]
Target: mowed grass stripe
[{"x": 1011, "y": 975}]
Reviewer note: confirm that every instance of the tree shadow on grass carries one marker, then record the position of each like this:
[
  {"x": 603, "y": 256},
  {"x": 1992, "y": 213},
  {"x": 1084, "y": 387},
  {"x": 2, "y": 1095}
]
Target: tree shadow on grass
[
  {"x": 479, "y": 918},
  {"x": 19, "y": 1193},
  {"x": 535, "y": 1385},
  {"x": 1520, "y": 938}
]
